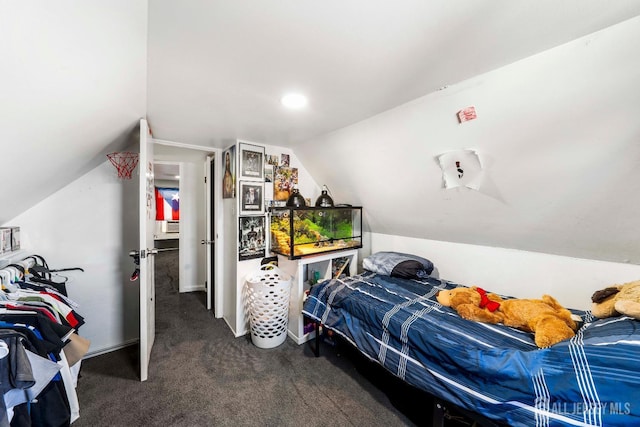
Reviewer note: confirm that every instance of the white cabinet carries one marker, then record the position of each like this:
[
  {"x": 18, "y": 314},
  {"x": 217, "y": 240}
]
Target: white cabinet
[{"x": 304, "y": 272}]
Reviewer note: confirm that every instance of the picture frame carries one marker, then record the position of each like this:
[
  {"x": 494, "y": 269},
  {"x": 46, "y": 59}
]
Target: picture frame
[
  {"x": 251, "y": 161},
  {"x": 268, "y": 173},
  {"x": 229, "y": 174},
  {"x": 284, "y": 179},
  {"x": 252, "y": 237},
  {"x": 251, "y": 197}
]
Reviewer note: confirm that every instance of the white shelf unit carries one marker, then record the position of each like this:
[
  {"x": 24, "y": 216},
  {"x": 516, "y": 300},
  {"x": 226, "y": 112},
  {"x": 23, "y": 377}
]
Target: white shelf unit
[
  {"x": 301, "y": 271},
  {"x": 7, "y": 258}
]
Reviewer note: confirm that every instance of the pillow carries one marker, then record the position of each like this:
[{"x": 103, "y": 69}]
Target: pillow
[{"x": 396, "y": 264}]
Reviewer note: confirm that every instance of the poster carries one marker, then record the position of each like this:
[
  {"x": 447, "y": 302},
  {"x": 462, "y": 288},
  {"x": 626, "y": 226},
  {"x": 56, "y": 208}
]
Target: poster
[
  {"x": 229, "y": 177},
  {"x": 461, "y": 168},
  {"x": 284, "y": 179},
  {"x": 252, "y": 196},
  {"x": 252, "y": 237},
  {"x": 251, "y": 161}
]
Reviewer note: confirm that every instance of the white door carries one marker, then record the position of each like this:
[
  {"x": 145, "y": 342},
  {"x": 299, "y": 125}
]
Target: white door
[
  {"x": 209, "y": 240},
  {"x": 147, "y": 215}
]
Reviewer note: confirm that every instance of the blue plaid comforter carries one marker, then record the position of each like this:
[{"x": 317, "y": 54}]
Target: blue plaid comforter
[{"x": 592, "y": 379}]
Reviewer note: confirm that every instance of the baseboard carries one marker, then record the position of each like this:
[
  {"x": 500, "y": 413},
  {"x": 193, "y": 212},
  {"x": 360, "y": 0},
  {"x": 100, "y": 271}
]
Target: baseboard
[
  {"x": 193, "y": 288},
  {"x": 235, "y": 333},
  {"x": 99, "y": 352}
]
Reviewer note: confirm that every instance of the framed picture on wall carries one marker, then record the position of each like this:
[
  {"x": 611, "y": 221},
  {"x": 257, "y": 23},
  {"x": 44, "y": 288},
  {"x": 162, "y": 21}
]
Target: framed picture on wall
[
  {"x": 251, "y": 233},
  {"x": 284, "y": 179},
  {"x": 251, "y": 197},
  {"x": 229, "y": 177},
  {"x": 251, "y": 162},
  {"x": 268, "y": 173}
]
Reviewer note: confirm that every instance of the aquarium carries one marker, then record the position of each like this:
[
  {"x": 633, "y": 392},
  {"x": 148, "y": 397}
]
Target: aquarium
[{"x": 298, "y": 232}]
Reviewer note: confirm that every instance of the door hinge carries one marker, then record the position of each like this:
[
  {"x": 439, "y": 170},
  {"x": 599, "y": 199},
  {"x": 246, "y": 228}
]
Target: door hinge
[{"x": 205, "y": 179}]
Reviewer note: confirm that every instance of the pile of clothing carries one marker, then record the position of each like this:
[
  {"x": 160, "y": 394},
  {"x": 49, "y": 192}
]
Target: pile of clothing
[{"x": 40, "y": 348}]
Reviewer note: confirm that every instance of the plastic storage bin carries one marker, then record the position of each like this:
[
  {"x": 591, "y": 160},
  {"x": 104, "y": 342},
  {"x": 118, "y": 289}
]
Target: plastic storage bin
[{"x": 267, "y": 304}]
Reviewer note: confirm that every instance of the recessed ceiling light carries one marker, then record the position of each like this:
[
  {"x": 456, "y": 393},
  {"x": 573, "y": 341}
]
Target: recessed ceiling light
[
  {"x": 294, "y": 100},
  {"x": 177, "y": 176}
]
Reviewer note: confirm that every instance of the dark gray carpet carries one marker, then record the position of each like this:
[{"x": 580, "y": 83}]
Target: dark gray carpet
[{"x": 201, "y": 375}]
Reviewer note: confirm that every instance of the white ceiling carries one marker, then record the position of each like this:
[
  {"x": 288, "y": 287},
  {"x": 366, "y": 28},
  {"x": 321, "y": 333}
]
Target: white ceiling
[
  {"x": 166, "y": 172},
  {"x": 77, "y": 76},
  {"x": 217, "y": 69}
]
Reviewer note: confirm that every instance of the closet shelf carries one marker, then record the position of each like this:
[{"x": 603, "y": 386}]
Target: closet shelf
[{"x": 13, "y": 256}]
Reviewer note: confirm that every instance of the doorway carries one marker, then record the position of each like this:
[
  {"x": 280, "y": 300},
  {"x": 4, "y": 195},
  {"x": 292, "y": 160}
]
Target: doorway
[
  {"x": 199, "y": 205},
  {"x": 169, "y": 222}
]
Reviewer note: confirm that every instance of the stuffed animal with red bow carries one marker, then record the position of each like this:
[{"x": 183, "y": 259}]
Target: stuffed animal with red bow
[{"x": 546, "y": 318}]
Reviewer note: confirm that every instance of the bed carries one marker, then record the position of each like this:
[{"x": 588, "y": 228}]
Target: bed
[{"x": 498, "y": 372}]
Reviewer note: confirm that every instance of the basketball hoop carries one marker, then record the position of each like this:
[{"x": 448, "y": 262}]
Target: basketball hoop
[{"x": 125, "y": 162}]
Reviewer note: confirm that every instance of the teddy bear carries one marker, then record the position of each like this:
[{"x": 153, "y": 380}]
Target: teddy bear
[
  {"x": 546, "y": 318},
  {"x": 616, "y": 300}
]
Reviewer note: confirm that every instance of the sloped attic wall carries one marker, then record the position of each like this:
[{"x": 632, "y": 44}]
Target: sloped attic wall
[
  {"x": 561, "y": 142},
  {"x": 92, "y": 223},
  {"x": 73, "y": 79}
]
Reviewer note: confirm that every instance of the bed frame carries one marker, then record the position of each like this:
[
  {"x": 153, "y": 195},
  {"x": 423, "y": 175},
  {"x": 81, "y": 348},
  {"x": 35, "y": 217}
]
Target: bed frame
[{"x": 494, "y": 374}]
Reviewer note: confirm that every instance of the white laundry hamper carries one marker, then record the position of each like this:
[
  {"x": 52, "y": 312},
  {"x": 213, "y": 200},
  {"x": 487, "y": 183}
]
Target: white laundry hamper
[{"x": 267, "y": 303}]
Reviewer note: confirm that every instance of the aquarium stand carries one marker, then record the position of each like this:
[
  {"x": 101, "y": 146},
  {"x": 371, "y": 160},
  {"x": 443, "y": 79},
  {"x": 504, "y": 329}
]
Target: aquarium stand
[{"x": 307, "y": 271}]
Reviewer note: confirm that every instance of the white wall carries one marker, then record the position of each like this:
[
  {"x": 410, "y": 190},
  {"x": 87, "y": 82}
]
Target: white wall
[
  {"x": 167, "y": 183},
  {"x": 560, "y": 137},
  {"x": 229, "y": 244},
  {"x": 73, "y": 89},
  {"x": 92, "y": 223},
  {"x": 74, "y": 86},
  {"x": 522, "y": 274}
]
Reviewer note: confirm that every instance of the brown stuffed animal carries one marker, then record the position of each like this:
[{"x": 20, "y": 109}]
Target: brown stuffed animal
[
  {"x": 617, "y": 300},
  {"x": 546, "y": 318}
]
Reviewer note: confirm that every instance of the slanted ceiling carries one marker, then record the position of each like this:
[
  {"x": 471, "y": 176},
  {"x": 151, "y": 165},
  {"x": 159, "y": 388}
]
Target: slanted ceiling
[
  {"x": 217, "y": 69},
  {"x": 77, "y": 77},
  {"x": 73, "y": 88},
  {"x": 557, "y": 134}
]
